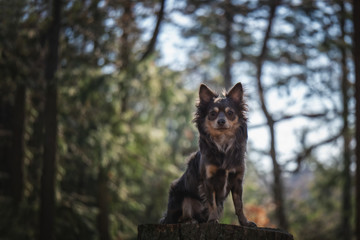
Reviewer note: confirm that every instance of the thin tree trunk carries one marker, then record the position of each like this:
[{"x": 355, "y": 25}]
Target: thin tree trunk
[
  {"x": 356, "y": 21},
  {"x": 103, "y": 204},
  {"x": 17, "y": 161},
  {"x": 6, "y": 133},
  {"x": 47, "y": 196},
  {"x": 152, "y": 42},
  {"x": 228, "y": 48},
  {"x": 278, "y": 187},
  {"x": 36, "y": 143},
  {"x": 126, "y": 23},
  {"x": 346, "y": 195}
]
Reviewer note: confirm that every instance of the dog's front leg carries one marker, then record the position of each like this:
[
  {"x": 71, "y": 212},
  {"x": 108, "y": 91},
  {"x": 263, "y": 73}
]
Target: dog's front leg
[
  {"x": 236, "y": 193},
  {"x": 210, "y": 193},
  {"x": 211, "y": 202}
]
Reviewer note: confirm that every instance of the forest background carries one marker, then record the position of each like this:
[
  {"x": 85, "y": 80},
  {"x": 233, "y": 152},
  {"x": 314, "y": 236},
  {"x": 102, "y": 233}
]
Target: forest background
[{"x": 97, "y": 98}]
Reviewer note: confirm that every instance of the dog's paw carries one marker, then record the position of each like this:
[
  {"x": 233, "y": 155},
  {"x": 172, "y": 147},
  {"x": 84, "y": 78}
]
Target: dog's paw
[
  {"x": 246, "y": 223},
  {"x": 191, "y": 221},
  {"x": 188, "y": 221},
  {"x": 250, "y": 224},
  {"x": 213, "y": 221}
]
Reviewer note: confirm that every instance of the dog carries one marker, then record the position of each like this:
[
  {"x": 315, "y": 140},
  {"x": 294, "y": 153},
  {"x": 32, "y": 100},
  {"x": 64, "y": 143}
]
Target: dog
[{"x": 218, "y": 167}]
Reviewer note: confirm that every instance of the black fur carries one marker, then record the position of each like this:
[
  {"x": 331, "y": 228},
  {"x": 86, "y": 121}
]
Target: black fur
[{"x": 218, "y": 167}]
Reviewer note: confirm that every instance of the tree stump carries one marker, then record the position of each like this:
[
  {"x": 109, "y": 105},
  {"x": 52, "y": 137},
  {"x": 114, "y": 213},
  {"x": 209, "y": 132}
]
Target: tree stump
[{"x": 208, "y": 231}]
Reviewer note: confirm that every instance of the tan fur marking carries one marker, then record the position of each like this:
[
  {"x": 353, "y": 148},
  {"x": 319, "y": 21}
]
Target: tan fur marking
[
  {"x": 218, "y": 99},
  {"x": 212, "y": 206},
  {"x": 210, "y": 170},
  {"x": 213, "y": 213},
  {"x": 190, "y": 207},
  {"x": 231, "y": 170},
  {"x": 211, "y": 127},
  {"x": 187, "y": 208},
  {"x": 214, "y": 200},
  {"x": 223, "y": 137},
  {"x": 235, "y": 124}
]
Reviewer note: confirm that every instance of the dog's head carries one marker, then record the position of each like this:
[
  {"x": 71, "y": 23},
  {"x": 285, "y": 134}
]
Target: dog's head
[{"x": 220, "y": 115}]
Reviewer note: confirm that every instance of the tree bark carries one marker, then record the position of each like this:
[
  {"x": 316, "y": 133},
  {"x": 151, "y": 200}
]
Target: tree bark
[
  {"x": 153, "y": 39},
  {"x": 17, "y": 161},
  {"x": 356, "y": 54},
  {"x": 47, "y": 195},
  {"x": 209, "y": 232},
  {"x": 278, "y": 187},
  {"x": 346, "y": 188},
  {"x": 36, "y": 141},
  {"x": 103, "y": 204},
  {"x": 126, "y": 44},
  {"x": 228, "y": 47},
  {"x": 6, "y": 116}
]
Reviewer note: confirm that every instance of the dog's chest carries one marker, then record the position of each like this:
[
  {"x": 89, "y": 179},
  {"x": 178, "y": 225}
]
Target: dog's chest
[
  {"x": 221, "y": 181},
  {"x": 224, "y": 142}
]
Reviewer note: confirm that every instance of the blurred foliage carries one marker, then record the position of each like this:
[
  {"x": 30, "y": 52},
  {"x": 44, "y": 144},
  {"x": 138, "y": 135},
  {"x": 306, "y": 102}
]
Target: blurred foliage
[
  {"x": 133, "y": 147},
  {"x": 130, "y": 127},
  {"x": 317, "y": 215}
]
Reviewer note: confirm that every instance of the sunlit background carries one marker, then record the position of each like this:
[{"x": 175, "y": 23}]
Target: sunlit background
[{"x": 127, "y": 83}]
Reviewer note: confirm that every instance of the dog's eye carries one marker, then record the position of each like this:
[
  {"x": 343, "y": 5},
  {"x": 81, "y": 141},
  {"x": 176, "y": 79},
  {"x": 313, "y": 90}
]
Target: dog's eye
[
  {"x": 213, "y": 114},
  {"x": 230, "y": 113}
]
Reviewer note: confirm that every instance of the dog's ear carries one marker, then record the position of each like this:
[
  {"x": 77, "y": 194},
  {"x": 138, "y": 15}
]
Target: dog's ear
[
  {"x": 236, "y": 93},
  {"x": 206, "y": 94}
]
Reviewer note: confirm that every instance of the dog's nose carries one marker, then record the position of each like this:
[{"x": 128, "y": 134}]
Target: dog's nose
[{"x": 221, "y": 122}]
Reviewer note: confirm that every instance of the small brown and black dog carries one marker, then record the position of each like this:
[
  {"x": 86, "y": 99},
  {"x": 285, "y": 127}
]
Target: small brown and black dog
[{"x": 218, "y": 167}]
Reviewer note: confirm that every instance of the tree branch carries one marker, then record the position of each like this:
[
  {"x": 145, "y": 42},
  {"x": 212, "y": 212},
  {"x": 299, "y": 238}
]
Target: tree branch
[
  {"x": 152, "y": 42},
  {"x": 261, "y": 59},
  {"x": 287, "y": 117},
  {"x": 278, "y": 185},
  {"x": 307, "y": 151}
]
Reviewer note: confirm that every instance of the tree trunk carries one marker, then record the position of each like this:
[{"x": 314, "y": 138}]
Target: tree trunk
[
  {"x": 151, "y": 45},
  {"x": 346, "y": 188},
  {"x": 47, "y": 196},
  {"x": 208, "y": 232},
  {"x": 35, "y": 143},
  {"x": 17, "y": 161},
  {"x": 356, "y": 54},
  {"x": 228, "y": 48},
  {"x": 126, "y": 44},
  {"x": 6, "y": 116},
  {"x": 103, "y": 204},
  {"x": 278, "y": 187}
]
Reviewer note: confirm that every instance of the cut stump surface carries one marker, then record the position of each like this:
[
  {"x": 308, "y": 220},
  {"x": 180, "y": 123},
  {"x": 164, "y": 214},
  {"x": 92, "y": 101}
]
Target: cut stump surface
[{"x": 208, "y": 231}]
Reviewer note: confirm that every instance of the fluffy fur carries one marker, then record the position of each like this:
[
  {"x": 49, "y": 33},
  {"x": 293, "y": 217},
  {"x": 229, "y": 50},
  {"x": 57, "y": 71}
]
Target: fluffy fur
[{"x": 218, "y": 167}]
